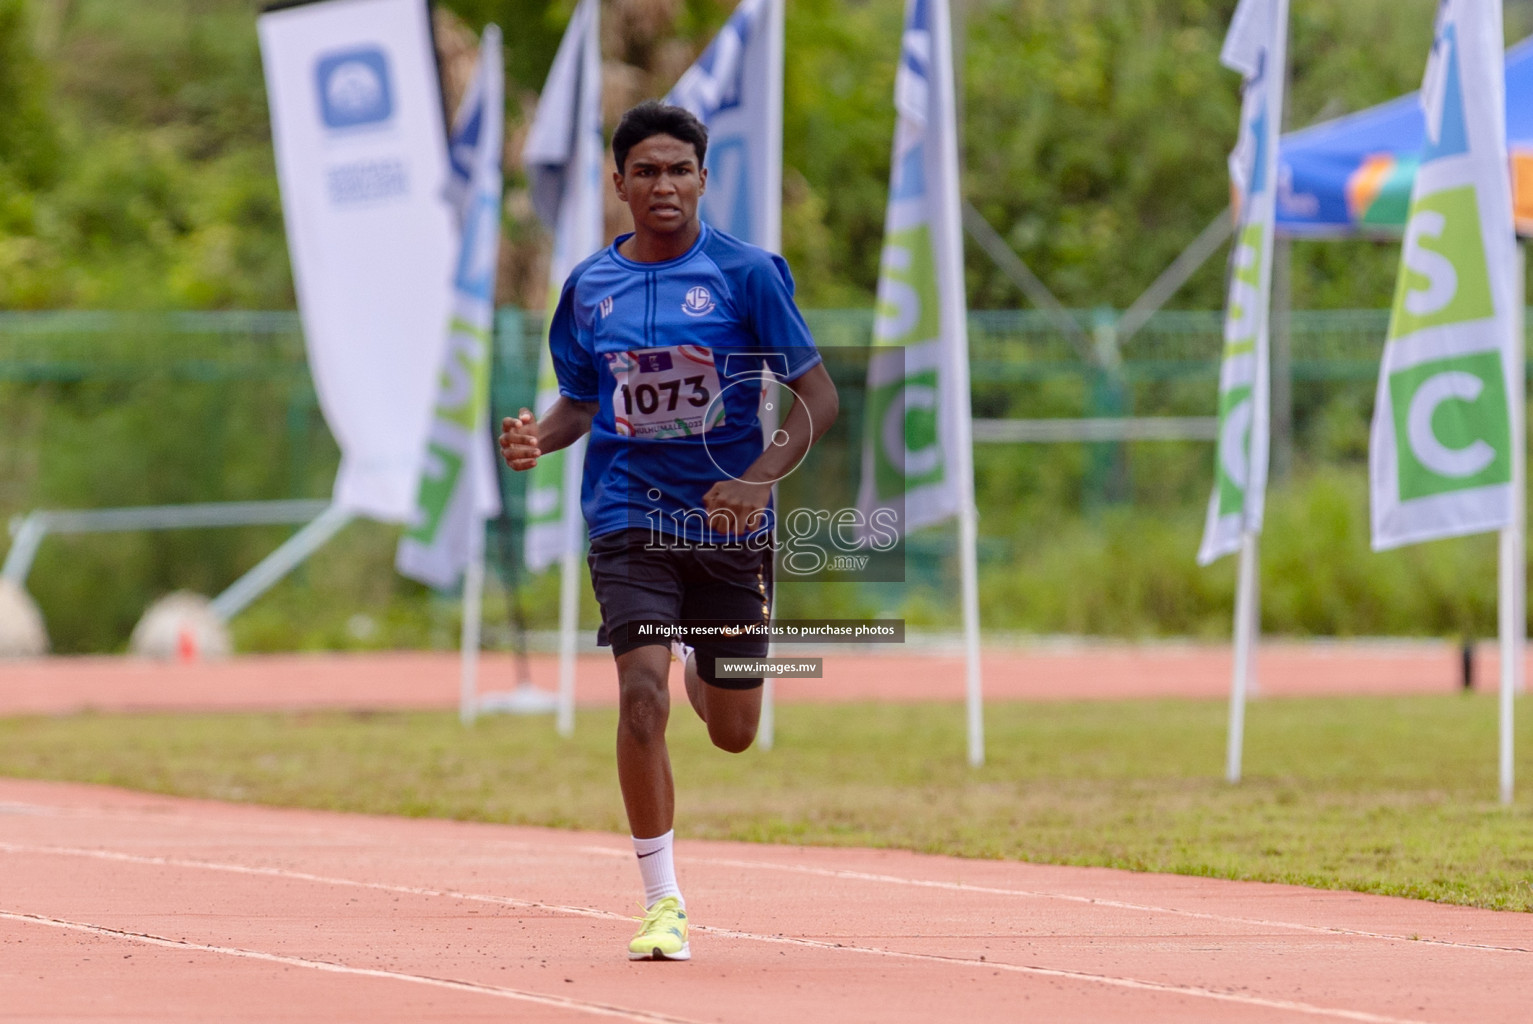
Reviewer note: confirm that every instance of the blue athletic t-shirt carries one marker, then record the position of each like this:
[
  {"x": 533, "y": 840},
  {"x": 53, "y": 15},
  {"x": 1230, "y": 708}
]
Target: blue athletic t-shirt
[{"x": 675, "y": 354}]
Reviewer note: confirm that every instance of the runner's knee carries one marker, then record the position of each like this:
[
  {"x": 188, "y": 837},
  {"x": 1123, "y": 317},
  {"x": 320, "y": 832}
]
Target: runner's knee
[
  {"x": 733, "y": 716},
  {"x": 732, "y": 734},
  {"x": 644, "y": 701}
]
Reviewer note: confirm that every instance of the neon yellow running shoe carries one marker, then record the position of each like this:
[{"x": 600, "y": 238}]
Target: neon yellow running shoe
[{"x": 662, "y": 933}]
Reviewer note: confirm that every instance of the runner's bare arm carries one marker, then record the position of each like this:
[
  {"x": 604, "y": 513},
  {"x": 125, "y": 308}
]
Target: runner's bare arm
[
  {"x": 524, "y": 437},
  {"x": 814, "y": 410}
]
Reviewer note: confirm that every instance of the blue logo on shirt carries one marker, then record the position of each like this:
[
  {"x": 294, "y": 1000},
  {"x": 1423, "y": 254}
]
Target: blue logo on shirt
[
  {"x": 698, "y": 302},
  {"x": 353, "y": 87}
]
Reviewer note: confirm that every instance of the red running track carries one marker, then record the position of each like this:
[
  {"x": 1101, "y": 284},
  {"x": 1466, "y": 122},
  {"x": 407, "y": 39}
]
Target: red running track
[
  {"x": 126, "y": 907},
  {"x": 1064, "y": 671}
]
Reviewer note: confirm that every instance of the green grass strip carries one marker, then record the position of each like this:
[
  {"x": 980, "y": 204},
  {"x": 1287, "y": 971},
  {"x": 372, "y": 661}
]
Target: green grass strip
[{"x": 1382, "y": 795}]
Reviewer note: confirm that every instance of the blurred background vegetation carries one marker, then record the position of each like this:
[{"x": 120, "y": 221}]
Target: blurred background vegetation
[{"x": 136, "y": 175}]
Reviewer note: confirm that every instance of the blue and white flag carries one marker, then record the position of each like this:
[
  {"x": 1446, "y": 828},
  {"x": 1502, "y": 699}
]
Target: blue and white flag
[
  {"x": 563, "y": 157},
  {"x": 457, "y": 484},
  {"x": 1441, "y": 455},
  {"x": 1256, "y": 47},
  {"x": 735, "y": 88},
  {"x": 916, "y": 467}
]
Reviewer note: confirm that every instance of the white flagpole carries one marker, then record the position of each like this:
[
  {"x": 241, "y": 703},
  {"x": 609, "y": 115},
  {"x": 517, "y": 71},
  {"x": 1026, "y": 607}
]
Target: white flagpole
[
  {"x": 968, "y": 533},
  {"x": 473, "y": 604},
  {"x": 958, "y": 368},
  {"x": 1510, "y": 652},
  {"x": 1513, "y": 567},
  {"x": 771, "y": 181},
  {"x": 1520, "y": 464},
  {"x": 569, "y": 610},
  {"x": 1247, "y": 620},
  {"x": 1247, "y": 625},
  {"x": 569, "y": 589},
  {"x": 771, "y": 240}
]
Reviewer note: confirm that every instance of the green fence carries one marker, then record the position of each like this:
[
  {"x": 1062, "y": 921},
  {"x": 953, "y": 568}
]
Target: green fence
[
  {"x": 220, "y": 406},
  {"x": 106, "y": 409}
]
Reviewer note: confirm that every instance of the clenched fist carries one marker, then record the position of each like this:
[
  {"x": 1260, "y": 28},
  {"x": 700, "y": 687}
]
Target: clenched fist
[{"x": 519, "y": 440}]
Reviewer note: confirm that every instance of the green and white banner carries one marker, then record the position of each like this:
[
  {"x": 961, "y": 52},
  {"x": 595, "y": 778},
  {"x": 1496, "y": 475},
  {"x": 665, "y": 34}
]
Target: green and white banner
[
  {"x": 918, "y": 386},
  {"x": 457, "y": 491},
  {"x": 563, "y": 157},
  {"x": 1255, "y": 46},
  {"x": 1441, "y": 454}
]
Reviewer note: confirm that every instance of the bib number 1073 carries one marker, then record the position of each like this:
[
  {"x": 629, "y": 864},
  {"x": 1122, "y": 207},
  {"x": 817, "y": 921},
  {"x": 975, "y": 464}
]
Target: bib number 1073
[
  {"x": 665, "y": 392},
  {"x": 648, "y": 398}
]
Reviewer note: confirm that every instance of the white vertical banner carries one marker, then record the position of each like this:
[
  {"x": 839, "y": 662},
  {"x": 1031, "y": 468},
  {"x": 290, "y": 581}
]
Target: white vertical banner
[
  {"x": 457, "y": 490},
  {"x": 1256, "y": 47},
  {"x": 914, "y": 463},
  {"x": 917, "y": 379},
  {"x": 735, "y": 88},
  {"x": 563, "y": 157},
  {"x": 357, "y": 129},
  {"x": 1447, "y": 457},
  {"x": 1441, "y": 456},
  {"x": 917, "y": 458}
]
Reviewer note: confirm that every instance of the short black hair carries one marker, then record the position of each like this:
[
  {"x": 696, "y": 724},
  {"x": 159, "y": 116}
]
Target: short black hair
[{"x": 655, "y": 118}]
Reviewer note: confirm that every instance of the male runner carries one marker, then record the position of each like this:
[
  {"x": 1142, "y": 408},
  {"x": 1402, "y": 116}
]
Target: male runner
[{"x": 660, "y": 342}]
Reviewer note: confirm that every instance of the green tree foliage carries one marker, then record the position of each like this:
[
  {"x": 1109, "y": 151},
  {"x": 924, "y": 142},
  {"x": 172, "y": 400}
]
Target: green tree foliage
[
  {"x": 29, "y": 148},
  {"x": 137, "y": 155},
  {"x": 1097, "y": 131},
  {"x": 531, "y": 30},
  {"x": 838, "y": 113},
  {"x": 29, "y": 145},
  {"x": 165, "y": 194},
  {"x": 1104, "y": 128}
]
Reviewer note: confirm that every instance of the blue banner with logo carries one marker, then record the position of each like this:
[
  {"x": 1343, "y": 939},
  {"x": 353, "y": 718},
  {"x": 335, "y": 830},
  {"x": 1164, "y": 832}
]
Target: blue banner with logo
[{"x": 361, "y": 152}]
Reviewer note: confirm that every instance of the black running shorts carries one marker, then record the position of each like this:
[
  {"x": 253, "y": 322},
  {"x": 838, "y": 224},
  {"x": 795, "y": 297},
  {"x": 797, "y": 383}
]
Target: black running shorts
[{"x": 682, "y": 584}]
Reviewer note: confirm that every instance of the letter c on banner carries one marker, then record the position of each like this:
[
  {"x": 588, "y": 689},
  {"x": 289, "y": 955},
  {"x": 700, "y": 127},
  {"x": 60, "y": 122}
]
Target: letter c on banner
[
  {"x": 913, "y": 463},
  {"x": 1429, "y": 451},
  {"x": 1234, "y": 439}
]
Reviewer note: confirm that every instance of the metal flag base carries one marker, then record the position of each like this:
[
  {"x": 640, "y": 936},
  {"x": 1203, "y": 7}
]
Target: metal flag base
[{"x": 526, "y": 699}]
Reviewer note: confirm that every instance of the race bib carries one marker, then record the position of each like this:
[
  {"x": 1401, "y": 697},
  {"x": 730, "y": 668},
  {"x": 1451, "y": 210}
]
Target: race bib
[{"x": 665, "y": 392}]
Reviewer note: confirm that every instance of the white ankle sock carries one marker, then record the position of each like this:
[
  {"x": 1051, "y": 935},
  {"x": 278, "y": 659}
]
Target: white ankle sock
[{"x": 657, "y": 868}]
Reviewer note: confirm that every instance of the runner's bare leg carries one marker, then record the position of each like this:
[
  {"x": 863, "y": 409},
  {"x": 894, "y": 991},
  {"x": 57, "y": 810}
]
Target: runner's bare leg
[
  {"x": 643, "y": 762},
  {"x": 731, "y": 715}
]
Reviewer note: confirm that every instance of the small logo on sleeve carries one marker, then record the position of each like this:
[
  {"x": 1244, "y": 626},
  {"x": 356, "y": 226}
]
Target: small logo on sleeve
[
  {"x": 698, "y": 302},
  {"x": 605, "y": 308}
]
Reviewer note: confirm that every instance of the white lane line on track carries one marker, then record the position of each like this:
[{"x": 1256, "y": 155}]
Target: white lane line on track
[
  {"x": 838, "y": 873},
  {"x": 815, "y": 944},
  {"x": 304, "y": 876},
  {"x": 562, "y": 1002},
  {"x": 1095, "y": 901},
  {"x": 1166, "y": 988}
]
